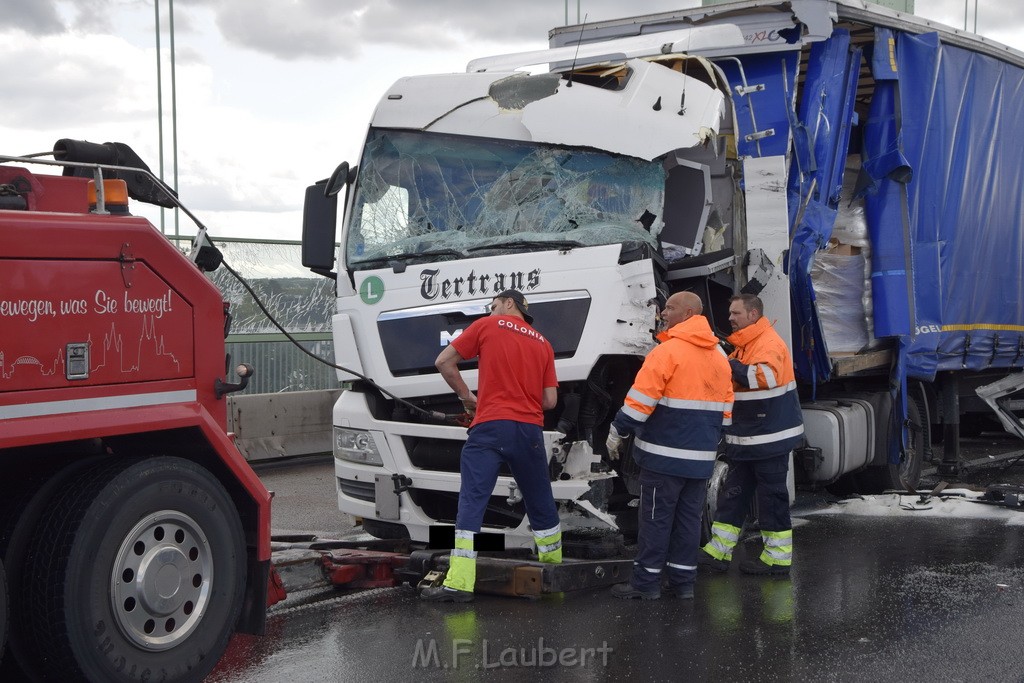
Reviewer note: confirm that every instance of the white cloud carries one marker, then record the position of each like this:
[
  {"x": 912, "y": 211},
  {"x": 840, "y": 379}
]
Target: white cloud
[{"x": 271, "y": 94}]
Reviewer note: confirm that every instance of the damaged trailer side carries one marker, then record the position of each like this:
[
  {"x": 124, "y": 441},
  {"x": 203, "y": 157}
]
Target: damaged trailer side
[{"x": 900, "y": 140}]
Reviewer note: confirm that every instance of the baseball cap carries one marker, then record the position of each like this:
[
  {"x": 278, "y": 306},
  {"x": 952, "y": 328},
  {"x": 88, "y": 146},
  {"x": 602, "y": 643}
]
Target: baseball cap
[{"x": 520, "y": 300}]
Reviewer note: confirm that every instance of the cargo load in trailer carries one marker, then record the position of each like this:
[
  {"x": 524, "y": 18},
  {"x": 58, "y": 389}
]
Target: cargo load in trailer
[{"x": 853, "y": 166}]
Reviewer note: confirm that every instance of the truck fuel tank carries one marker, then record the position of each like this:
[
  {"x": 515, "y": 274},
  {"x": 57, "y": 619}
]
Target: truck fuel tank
[{"x": 844, "y": 430}]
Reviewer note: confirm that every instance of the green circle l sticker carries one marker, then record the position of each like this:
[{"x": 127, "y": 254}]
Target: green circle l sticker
[{"x": 372, "y": 290}]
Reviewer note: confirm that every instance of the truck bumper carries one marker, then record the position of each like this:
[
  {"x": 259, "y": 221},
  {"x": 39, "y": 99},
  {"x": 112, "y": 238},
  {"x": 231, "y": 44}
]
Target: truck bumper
[{"x": 402, "y": 493}]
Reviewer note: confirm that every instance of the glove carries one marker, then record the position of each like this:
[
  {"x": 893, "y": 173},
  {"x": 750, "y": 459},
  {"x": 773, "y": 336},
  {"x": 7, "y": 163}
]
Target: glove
[{"x": 614, "y": 443}]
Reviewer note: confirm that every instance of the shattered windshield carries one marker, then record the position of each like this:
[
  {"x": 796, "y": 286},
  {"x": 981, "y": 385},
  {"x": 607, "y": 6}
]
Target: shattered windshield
[{"x": 441, "y": 197}]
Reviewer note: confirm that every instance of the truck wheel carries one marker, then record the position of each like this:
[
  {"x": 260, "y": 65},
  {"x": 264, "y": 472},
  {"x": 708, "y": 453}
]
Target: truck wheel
[
  {"x": 3, "y": 611},
  {"x": 18, "y": 528},
  {"x": 137, "y": 573},
  {"x": 715, "y": 485},
  {"x": 907, "y": 473}
]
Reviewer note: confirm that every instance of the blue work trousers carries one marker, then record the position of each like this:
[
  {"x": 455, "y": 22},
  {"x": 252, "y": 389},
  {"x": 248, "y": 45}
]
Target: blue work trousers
[
  {"x": 669, "y": 530},
  {"x": 521, "y": 447},
  {"x": 767, "y": 479}
]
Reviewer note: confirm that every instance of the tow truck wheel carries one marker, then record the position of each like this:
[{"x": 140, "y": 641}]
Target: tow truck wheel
[
  {"x": 3, "y": 611},
  {"x": 137, "y": 573}
]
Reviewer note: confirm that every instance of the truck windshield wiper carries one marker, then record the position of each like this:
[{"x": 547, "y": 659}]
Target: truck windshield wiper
[
  {"x": 407, "y": 255},
  {"x": 512, "y": 244}
]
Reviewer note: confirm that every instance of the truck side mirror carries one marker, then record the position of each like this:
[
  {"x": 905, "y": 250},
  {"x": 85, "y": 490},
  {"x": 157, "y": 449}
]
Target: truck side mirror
[
  {"x": 319, "y": 229},
  {"x": 341, "y": 177}
]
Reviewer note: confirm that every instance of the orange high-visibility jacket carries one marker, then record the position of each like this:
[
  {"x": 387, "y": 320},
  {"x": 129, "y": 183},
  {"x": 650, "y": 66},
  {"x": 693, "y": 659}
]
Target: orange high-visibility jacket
[
  {"x": 679, "y": 401},
  {"x": 766, "y": 416}
]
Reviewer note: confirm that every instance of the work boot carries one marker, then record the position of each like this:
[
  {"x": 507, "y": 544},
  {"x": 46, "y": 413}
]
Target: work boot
[
  {"x": 683, "y": 592},
  {"x": 445, "y": 594},
  {"x": 714, "y": 564},
  {"x": 627, "y": 592},
  {"x": 759, "y": 568}
]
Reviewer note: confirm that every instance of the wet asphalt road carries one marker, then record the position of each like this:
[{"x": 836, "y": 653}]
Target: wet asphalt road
[{"x": 870, "y": 598}]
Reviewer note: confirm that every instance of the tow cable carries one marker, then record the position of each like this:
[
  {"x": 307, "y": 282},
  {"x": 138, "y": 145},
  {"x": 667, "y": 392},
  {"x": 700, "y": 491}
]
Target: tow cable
[{"x": 461, "y": 419}]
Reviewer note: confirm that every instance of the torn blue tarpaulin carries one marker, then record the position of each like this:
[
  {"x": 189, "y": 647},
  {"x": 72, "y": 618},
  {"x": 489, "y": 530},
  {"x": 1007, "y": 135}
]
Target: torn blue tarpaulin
[
  {"x": 826, "y": 114},
  {"x": 962, "y": 117}
]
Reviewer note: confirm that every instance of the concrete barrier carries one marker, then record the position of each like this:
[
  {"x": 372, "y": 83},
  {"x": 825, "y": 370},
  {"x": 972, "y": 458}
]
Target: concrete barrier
[{"x": 284, "y": 425}]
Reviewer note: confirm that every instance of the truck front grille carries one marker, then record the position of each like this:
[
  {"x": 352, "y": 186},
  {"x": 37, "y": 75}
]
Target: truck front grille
[{"x": 360, "y": 490}]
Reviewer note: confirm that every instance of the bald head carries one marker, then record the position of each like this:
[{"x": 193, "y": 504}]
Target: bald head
[{"x": 681, "y": 306}]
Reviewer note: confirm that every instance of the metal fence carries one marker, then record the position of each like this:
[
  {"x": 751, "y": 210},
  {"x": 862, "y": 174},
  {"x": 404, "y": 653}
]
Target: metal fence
[
  {"x": 302, "y": 302},
  {"x": 280, "y": 366}
]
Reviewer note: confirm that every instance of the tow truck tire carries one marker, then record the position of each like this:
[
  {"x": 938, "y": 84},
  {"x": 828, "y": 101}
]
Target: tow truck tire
[
  {"x": 3, "y": 611},
  {"x": 137, "y": 573}
]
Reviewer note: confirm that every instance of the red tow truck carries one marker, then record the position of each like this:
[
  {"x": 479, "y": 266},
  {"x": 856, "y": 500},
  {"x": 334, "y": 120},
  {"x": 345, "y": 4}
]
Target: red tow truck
[{"x": 134, "y": 536}]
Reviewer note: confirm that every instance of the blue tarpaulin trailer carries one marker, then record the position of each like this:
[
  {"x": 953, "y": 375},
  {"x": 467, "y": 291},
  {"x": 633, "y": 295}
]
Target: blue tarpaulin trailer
[{"x": 933, "y": 116}]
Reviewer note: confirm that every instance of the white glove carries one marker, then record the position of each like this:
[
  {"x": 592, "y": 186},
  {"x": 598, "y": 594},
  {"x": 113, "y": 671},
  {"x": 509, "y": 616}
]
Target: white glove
[{"x": 614, "y": 443}]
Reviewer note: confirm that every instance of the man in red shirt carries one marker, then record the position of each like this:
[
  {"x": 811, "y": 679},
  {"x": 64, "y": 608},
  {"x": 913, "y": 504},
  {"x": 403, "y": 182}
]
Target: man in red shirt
[{"x": 516, "y": 385}]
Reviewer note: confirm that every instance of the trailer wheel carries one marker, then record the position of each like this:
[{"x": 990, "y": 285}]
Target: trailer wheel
[
  {"x": 137, "y": 573},
  {"x": 907, "y": 473}
]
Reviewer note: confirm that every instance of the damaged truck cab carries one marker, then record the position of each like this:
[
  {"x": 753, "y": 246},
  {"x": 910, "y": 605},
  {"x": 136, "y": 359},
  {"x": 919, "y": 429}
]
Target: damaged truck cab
[{"x": 777, "y": 149}]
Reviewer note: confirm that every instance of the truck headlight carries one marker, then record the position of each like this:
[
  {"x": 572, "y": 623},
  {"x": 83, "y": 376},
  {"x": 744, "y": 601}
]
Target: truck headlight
[{"x": 356, "y": 445}]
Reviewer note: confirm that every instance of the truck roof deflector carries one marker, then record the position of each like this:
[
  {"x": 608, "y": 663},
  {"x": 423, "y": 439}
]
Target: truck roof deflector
[{"x": 682, "y": 40}]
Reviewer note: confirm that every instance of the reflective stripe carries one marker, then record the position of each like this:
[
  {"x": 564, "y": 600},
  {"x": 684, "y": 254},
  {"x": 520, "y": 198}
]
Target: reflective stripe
[
  {"x": 462, "y": 552},
  {"x": 764, "y": 438},
  {"x": 642, "y": 398},
  {"x": 679, "y": 453},
  {"x": 726, "y": 531},
  {"x": 726, "y": 421},
  {"x": 776, "y": 558},
  {"x": 464, "y": 534},
  {"x": 549, "y": 544},
  {"x": 635, "y": 414},
  {"x": 690, "y": 404},
  {"x": 762, "y": 394},
  {"x": 721, "y": 350},
  {"x": 82, "y": 405},
  {"x": 752, "y": 376},
  {"x": 778, "y": 547},
  {"x": 461, "y": 573},
  {"x": 553, "y": 557},
  {"x": 769, "y": 376},
  {"x": 719, "y": 549},
  {"x": 776, "y": 538},
  {"x": 648, "y": 569},
  {"x": 723, "y": 539},
  {"x": 681, "y": 566}
]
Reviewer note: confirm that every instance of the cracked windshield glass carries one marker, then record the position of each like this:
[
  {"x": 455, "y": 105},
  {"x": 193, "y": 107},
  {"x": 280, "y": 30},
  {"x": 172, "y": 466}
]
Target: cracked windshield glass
[{"x": 444, "y": 197}]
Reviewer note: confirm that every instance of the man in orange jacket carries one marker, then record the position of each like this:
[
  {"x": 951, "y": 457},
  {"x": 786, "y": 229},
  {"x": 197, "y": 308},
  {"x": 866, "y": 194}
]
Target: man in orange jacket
[
  {"x": 767, "y": 424},
  {"x": 678, "y": 403}
]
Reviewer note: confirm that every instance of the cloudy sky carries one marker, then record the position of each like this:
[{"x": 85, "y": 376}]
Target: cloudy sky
[{"x": 272, "y": 94}]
